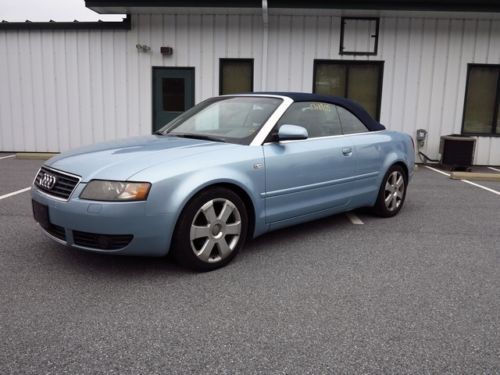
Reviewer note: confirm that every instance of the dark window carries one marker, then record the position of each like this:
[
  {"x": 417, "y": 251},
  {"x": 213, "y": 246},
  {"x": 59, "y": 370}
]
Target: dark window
[
  {"x": 322, "y": 119},
  {"x": 173, "y": 94},
  {"x": 360, "y": 81},
  {"x": 359, "y": 36},
  {"x": 482, "y": 97},
  {"x": 350, "y": 123},
  {"x": 236, "y": 76}
]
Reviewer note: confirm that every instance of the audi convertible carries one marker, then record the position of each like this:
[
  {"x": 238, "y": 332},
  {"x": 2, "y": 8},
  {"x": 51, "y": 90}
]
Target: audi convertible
[{"x": 230, "y": 168}]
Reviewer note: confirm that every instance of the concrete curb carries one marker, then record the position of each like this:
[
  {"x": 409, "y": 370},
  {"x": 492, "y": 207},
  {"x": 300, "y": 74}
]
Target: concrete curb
[
  {"x": 34, "y": 155},
  {"x": 475, "y": 176}
]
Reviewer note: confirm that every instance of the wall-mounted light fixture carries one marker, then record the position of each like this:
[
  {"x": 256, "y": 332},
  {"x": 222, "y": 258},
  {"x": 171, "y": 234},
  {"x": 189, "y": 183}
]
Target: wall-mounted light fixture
[
  {"x": 167, "y": 51},
  {"x": 142, "y": 48}
]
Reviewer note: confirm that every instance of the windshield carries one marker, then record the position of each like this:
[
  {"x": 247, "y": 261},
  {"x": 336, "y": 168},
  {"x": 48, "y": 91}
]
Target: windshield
[{"x": 234, "y": 119}]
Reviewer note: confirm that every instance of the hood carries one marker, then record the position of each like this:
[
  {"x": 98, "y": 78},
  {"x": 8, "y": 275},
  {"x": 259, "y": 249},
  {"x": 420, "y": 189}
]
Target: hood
[{"x": 118, "y": 160}]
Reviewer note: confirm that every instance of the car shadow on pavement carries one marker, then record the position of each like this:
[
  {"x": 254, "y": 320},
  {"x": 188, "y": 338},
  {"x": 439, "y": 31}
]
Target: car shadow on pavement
[{"x": 117, "y": 266}]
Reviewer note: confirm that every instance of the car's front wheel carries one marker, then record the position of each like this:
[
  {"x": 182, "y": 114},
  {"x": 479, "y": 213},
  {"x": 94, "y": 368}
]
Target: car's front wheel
[
  {"x": 211, "y": 230},
  {"x": 392, "y": 192}
]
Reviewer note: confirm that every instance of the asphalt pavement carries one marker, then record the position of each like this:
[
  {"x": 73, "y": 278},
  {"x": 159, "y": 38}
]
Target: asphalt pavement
[{"x": 418, "y": 293}]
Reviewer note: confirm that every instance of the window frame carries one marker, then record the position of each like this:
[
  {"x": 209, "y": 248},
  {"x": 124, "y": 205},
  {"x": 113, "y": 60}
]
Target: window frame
[
  {"x": 494, "y": 125},
  {"x": 379, "y": 63},
  {"x": 342, "y": 50},
  {"x": 222, "y": 60}
]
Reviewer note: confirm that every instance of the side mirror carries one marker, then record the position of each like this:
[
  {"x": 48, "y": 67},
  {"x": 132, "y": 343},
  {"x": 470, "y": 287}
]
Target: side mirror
[{"x": 292, "y": 133}]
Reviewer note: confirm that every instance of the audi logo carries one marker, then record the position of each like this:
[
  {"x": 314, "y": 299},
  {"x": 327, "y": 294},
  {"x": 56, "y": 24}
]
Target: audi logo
[{"x": 48, "y": 181}]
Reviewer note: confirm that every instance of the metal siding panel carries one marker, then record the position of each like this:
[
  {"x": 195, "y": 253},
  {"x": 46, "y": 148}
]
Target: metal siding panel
[
  {"x": 85, "y": 110},
  {"x": 297, "y": 55},
  {"x": 494, "y": 43},
  {"x": 208, "y": 61},
  {"x": 97, "y": 64},
  {"x": 120, "y": 83},
  {"x": 145, "y": 71},
  {"x": 310, "y": 26},
  {"x": 64, "y": 125},
  {"x": 156, "y": 40},
  {"x": 232, "y": 36},
  {"x": 194, "y": 56},
  {"x": 49, "y": 90},
  {"x": 133, "y": 77},
  {"x": 38, "y": 127},
  {"x": 108, "y": 90},
  {"x": 6, "y": 121},
  {"x": 220, "y": 50},
  {"x": 483, "y": 146},
  {"x": 438, "y": 82},
  {"x": 284, "y": 49},
  {"x": 73, "y": 88},
  {"x": 449, "y": 119},
  {"x": 182, "y": 40},
  {"x": 323, "y": 37},
  {"x": 272, "y": 55},
  {"x": 482, "y": 38},
  {"x": 335, "y": 38},
  {"x": 388, "y": 52},
  {"x": 257, "y": 46},
  {"x": 413, "y": 79},
  {"x": 245, "y": 37},
  {"x": 400, "y": 74},
  {"x": 27, "y": 95},
  {"x": 494, "y": 157},
  {"x": 426, "y": 76}
]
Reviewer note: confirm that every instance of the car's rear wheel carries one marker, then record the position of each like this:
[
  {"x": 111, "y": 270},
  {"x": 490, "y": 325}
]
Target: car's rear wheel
[
  {"x": 392, "y": 192},
  {"x": 211, "y": 230}
]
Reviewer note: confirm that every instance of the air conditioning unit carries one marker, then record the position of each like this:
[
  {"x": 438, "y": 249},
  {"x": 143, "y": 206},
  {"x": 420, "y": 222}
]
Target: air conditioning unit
[{"x": 457, "y": 151}]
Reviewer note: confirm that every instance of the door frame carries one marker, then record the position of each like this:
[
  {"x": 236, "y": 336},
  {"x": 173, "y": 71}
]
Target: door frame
[{"x": 156, "y": 68}]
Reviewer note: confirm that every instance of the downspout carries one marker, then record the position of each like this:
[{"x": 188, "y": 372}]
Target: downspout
[{"x": 265, "y": 43}]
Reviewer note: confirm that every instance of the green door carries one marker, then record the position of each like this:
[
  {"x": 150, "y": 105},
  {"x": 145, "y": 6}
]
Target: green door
[{"x": 173, "y": 93}]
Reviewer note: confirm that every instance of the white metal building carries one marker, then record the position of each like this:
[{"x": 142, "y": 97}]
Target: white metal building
[{"x": 431, "y": 65}]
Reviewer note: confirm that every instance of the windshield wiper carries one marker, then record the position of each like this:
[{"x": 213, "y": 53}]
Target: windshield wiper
[
  {"x": 197, "y": 136},
  {"x": 159, "y": 132}
]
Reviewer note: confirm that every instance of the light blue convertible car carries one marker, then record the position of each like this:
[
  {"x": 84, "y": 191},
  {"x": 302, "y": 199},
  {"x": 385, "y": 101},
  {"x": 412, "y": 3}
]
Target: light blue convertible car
[{"x": 230, "y": 168}]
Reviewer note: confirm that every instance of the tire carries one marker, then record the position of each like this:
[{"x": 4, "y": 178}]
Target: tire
[
  {"x": 211, "y": 230},
  {"x": 392, "y": 192}
]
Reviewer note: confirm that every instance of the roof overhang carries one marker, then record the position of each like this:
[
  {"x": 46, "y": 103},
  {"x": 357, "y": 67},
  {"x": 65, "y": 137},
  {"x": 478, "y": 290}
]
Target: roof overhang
[
  {"x": 145, "y": 6},
  {"x": 75, "y": 25}
]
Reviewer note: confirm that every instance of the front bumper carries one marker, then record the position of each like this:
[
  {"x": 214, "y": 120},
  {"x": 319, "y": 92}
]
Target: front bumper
[{"x": 88, "y": 225}]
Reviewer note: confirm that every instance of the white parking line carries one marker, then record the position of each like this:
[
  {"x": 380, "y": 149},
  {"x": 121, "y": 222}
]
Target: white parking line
[
  {"x": 354, "y": 219},
  {"x": 482, "y": 187},
  {"x": 494, "y": 169},
  {"x": 14, "y": 193},
  {"x": 437, "y": 170},
  {"x": 466, "y": 181},
  {"x": 8, "y": 156}
]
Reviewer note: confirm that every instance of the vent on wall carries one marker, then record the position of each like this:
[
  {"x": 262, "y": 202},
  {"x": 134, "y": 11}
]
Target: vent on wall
[{"x": 457, "y": 151}]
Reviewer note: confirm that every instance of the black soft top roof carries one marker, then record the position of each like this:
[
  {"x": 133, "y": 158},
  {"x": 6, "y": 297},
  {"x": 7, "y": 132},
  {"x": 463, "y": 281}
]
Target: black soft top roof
[{"x": 353, "y": 107}]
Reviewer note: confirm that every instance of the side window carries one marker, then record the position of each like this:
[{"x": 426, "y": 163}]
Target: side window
[
  {"x": 350, "y": 123},
  {"x": 320, "y": 119}
]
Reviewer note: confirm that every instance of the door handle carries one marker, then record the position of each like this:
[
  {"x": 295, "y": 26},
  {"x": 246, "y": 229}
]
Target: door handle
[{"x": 347, "y": 151}]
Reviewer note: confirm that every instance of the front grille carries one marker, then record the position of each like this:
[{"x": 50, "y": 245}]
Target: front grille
[
  {"x": 55, "y": 183},
  {"x": 57, "y": 231},
  {"x": 101, "y": 241}
]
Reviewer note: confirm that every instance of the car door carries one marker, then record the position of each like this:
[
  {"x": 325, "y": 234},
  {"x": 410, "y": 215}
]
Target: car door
[
  {"x": 307, "y": 177},
  {"x": 370, "y": 149}
]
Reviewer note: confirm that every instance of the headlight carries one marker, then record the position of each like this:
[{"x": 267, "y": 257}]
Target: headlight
[{"x": 98, "y": 190}]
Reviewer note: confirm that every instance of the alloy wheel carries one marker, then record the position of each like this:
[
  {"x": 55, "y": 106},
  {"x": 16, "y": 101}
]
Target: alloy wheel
[
  {"x": 215, "y": 230},
  {"x": 394, "y": 191}
]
